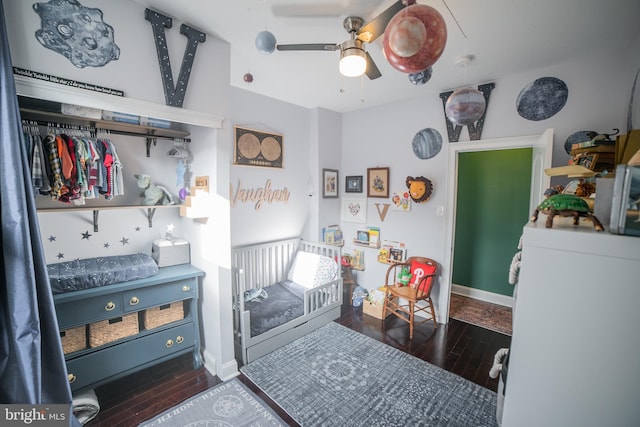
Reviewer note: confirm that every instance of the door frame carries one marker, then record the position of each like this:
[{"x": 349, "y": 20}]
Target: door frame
[{"x": 542, "y": 150}]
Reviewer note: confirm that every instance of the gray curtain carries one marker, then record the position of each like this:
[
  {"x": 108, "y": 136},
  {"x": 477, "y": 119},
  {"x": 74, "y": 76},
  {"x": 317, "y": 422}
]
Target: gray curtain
[{"x": 32, "y": 367}]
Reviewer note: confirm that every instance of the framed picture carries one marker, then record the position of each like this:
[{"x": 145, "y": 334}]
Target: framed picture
[
  {"x": 257, "y": 148},
  {"x": 378, "y": 182},
  {"x": 353, "y": 210},
  {"x": 353, "y": 184},
  {"x": 329, "y": 183}
]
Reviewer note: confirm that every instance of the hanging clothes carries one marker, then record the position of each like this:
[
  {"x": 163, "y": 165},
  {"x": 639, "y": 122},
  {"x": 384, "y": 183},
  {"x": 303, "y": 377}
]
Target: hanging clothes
[{"x": 69, "y": 166}]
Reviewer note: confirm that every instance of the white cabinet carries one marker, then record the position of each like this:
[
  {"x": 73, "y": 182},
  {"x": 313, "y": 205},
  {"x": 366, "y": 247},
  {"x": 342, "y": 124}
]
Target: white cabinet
[{"x": 575, "y": 352}]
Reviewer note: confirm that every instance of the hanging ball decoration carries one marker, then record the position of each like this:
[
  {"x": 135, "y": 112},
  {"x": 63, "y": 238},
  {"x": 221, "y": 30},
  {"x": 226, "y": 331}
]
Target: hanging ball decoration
[
  {"x": 248, "y": 78},
  {"x": 407, "y": 37},
  {"x": 183, "y": 193},
  {"x": 426, "y": 143},
  {"x": 422, "y": 77},
  {"x": 431, "y": 47},
  {"x": 265, "y": 42},
  {"x": 465, "y": 106}
]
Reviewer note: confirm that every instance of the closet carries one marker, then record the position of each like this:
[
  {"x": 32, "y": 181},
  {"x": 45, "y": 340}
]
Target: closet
[
  {"x": 51, "y": 125},
  {"x": 174, "y": 290}
]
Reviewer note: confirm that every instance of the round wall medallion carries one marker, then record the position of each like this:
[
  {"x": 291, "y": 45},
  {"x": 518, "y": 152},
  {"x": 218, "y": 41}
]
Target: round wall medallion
[
  {"x": 271, "y": 149},
  {"x": 542, "y": 98},
  {"x": 249, "y": 145},
  {"x": 426, "y": 143}
]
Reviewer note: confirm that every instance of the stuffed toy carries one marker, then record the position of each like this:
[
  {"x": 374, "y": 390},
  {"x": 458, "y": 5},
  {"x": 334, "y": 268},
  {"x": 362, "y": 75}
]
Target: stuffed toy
[
  {"x": 420, "y": 188},
  {"x": 405, "y": 276},
  {"x": 154, "y": 194}
]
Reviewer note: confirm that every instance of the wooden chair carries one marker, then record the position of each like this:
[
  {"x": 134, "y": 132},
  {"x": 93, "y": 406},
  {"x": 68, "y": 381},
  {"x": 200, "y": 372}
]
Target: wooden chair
[{"x": 396, "y": 293}]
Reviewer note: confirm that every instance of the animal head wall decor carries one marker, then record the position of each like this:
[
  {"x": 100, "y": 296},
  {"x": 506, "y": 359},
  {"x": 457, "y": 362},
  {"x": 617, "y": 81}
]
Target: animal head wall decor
[{"x": 420, "y": 188}]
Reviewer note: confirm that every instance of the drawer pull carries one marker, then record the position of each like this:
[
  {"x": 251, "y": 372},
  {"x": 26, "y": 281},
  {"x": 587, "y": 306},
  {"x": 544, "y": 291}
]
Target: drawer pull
[
  {"x": 110, "y": 306},
  {"x": 71, "y": 378},
  {"x": 186, "y": 288},
  {"x": 169, "y": 343},
  {"x": 134, "y": 301},
  {"x": 179, "y": 339}
]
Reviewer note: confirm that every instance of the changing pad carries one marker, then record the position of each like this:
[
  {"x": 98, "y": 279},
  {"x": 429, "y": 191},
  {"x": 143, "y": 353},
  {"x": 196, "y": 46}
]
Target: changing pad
[{"x": 99, "y": 271}]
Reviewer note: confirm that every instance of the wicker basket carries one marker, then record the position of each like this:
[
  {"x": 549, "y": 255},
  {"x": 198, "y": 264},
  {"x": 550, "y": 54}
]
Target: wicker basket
[
  {"x": 74, "y": 339},
  {"x": 163, "y": 314},
  {"x": 373, "y": 308},
  {"x": 106, "y": 331}
]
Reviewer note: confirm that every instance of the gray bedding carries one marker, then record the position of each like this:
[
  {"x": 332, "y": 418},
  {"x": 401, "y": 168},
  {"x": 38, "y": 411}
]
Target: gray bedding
[
  {"x": 275, "y": 305},
  {"x": 100, "y": 271}
]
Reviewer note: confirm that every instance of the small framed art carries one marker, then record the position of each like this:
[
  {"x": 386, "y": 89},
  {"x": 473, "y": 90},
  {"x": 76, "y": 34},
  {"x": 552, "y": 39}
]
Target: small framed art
[
  {"x": 378, "y": 182},
  {"x": 329, "y": 183},
  {"x": 353, "y": 184}
]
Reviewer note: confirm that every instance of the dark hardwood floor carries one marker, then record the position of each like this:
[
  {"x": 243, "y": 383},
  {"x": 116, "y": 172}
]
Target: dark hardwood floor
[{"x": 458, "y": 347}]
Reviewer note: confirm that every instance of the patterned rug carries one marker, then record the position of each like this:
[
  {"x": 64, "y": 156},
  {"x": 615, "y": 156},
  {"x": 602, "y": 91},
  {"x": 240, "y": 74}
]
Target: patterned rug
[
  {"x": 338, "y": 377},
  {"x": 228, "y": 404},
  {"x": 480, "y": 313}
]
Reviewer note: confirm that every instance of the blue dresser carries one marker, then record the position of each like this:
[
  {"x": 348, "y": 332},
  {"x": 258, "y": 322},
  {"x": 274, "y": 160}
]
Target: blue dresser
[{"x": 121, "y": 328}]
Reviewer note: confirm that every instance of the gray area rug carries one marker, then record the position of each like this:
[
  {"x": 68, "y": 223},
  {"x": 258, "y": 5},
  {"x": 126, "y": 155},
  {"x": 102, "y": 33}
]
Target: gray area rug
[
  {"x": 228, "y": 404},
  {"x": 338, "y": 377}
]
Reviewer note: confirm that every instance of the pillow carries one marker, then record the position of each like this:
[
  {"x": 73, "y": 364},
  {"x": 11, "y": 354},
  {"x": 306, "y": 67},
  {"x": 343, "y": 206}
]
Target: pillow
[
  {"x": 418, "y": 271},
  {"x": 310, "y": 270}
]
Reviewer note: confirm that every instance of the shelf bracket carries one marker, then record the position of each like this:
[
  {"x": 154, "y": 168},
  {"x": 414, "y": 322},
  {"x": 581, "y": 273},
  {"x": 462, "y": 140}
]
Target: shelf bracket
[
  {"x": 150, "y": 140},
  {"x": 95, "y": 220},
  {"x": 150, "y": 213}
]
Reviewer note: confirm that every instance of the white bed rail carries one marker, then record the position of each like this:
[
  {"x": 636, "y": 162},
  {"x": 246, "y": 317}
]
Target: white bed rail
[{"x": 261, "y": 265}]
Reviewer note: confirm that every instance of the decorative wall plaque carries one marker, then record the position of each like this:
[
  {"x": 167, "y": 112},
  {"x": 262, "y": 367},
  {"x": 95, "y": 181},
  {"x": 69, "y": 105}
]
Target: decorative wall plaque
[{"x": 257, "y": 148}]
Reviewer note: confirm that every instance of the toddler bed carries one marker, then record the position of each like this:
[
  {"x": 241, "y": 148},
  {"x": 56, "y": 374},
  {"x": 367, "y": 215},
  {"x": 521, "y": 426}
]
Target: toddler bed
[{"x": 282, "y": 290}]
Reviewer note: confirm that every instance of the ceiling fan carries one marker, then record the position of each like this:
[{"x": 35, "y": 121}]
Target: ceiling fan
[{"x": 354, "y": 60}]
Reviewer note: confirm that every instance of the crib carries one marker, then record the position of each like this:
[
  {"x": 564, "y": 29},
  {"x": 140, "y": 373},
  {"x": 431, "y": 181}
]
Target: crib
[{"x": 264, "y": 274}]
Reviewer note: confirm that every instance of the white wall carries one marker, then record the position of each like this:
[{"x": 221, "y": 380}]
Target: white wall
[
  {"x": 137, "y": 73},
  {"x": 276, "y": 220}
]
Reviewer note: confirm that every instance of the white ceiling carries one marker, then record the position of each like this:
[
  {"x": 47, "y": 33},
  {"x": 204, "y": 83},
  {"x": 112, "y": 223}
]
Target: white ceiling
[{"x": 505, "y": 36}]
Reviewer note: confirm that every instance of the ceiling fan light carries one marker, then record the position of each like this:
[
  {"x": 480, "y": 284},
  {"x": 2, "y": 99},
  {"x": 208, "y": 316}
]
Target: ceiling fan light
[{"x": 353, "y": 62}]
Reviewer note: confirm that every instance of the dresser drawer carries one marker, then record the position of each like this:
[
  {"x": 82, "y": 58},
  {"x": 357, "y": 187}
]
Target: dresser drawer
[
  {"x": 104, "y": 364},
  {"x": 137, "y": 299},
  {"x": 89, "y": 310}
]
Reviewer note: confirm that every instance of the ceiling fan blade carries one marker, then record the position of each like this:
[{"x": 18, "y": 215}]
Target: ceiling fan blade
[
  {"x": 372, "y": 70},
  {"x": 309, "y": 46},
  {"x": 375, "y": 28}
]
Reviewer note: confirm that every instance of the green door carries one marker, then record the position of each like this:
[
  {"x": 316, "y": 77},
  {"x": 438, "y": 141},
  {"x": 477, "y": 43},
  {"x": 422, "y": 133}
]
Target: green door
[{"x": 492, "y": 207}]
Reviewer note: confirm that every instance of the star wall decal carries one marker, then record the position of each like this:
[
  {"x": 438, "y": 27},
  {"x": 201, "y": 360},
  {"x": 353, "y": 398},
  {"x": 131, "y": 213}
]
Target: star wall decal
[
  {"x": 60, "y": 255},
  {"x": 52, "y": 238},
  {"x": 124, "y": 241},
  {"x": 106, "y": 245},
  {"x": 86, "y": 235},
  {"x": 137, "y": 228}
]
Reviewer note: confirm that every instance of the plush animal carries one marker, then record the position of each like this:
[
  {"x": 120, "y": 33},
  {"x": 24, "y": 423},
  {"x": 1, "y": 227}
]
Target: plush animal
[
  {"x": 154, "y": 194},
  {"x": 420, "y": 188},
  {"x": 405, "y": 276}
]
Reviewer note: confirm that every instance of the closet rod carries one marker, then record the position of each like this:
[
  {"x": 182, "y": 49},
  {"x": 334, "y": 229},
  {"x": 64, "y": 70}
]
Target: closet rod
[{"x": 45, "y": 118}]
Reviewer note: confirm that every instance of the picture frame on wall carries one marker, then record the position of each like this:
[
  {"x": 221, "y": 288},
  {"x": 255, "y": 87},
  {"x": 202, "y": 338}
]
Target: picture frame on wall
[
  {"x": 329, "y": 183},
  {"x": 257, "y": 148},
  {"x": 353, "y": 184},
  {"x": 353, "y": 210},
  {"x": 378, "y": 182}
]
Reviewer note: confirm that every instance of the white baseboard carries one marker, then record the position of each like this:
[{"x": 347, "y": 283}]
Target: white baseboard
[
  {"x": 228, "y": 370},
  {"x": 482, "y": 295}
]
